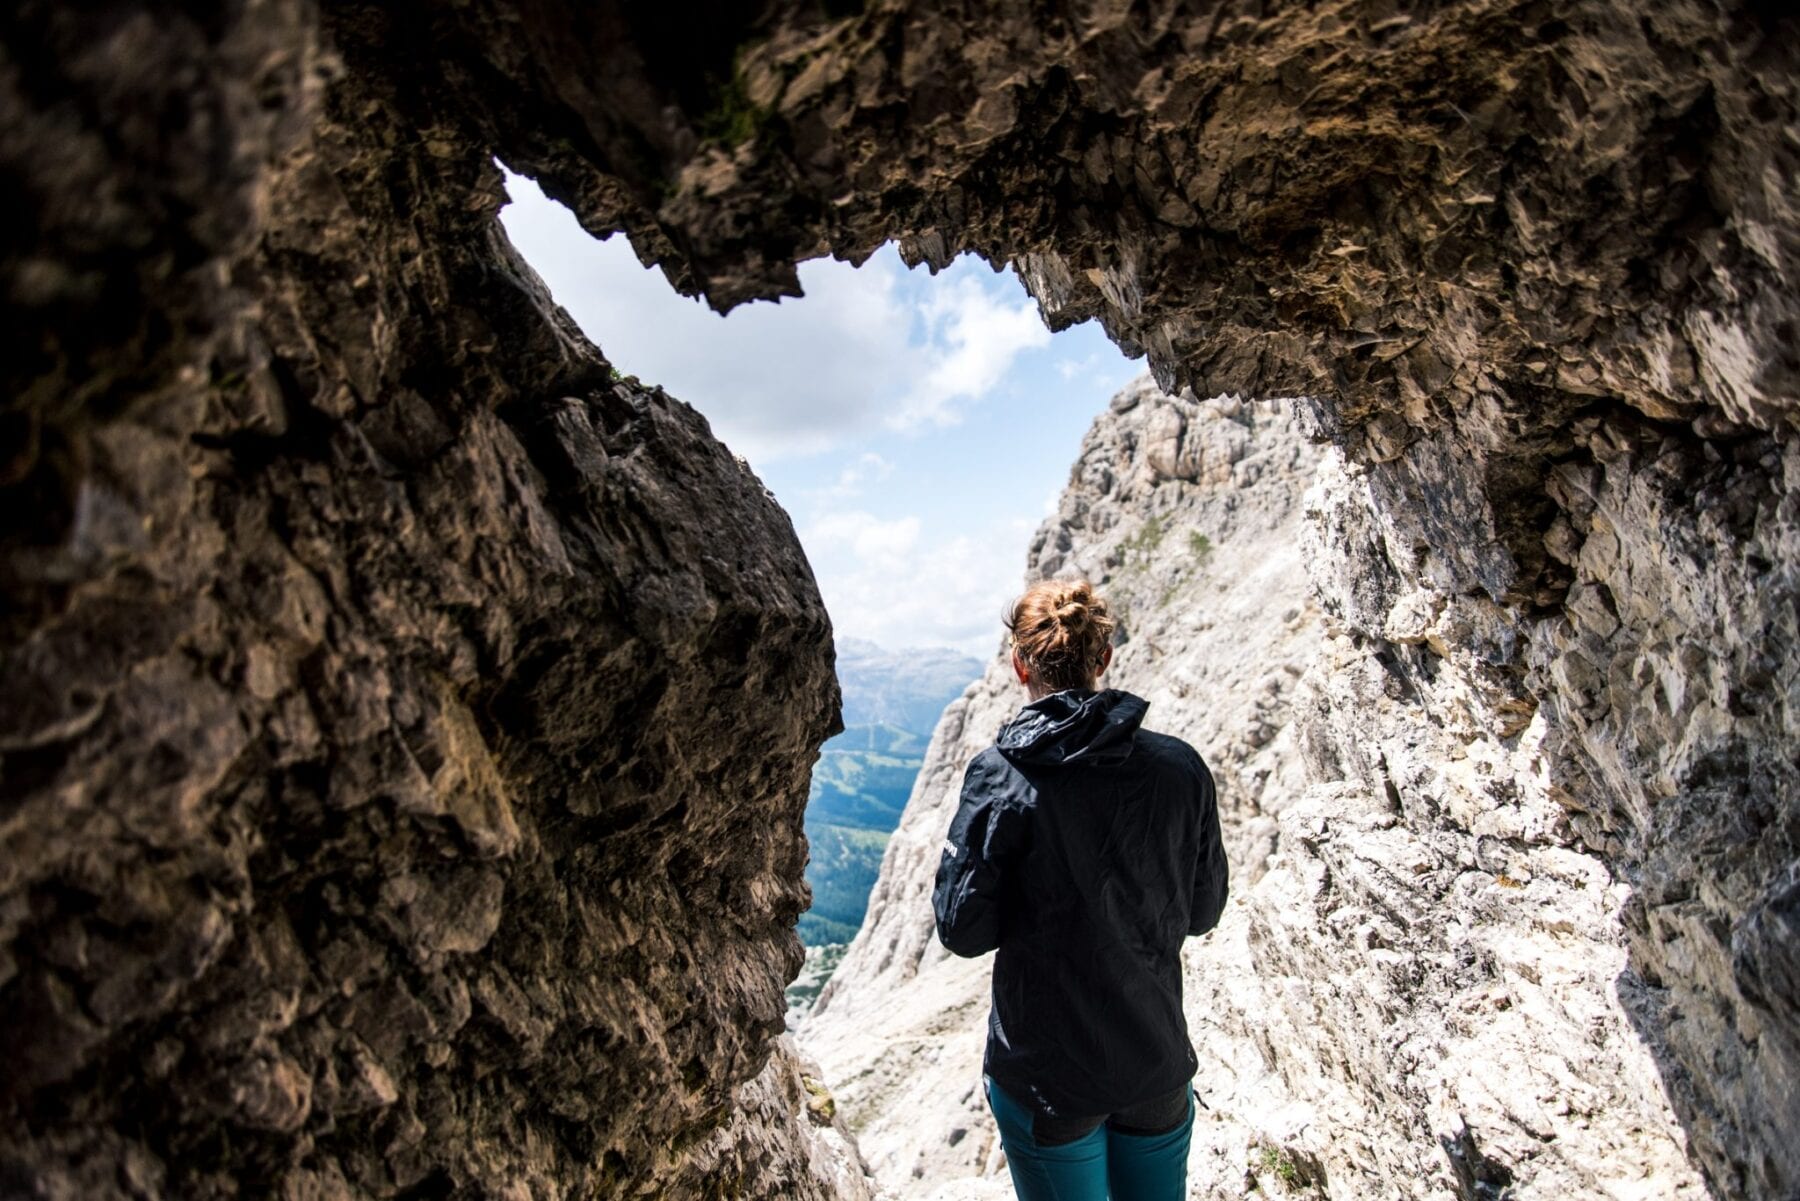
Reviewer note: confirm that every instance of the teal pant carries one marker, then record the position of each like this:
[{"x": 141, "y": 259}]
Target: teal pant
[{"x": 1100, "y": 1165}]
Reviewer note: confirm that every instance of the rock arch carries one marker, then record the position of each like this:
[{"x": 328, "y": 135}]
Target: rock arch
[{"x": 408, "y": 723}]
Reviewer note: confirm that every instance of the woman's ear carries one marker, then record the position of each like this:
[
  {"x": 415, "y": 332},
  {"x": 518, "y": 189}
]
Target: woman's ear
[
  {"x": 1020, "y": 670},
  {"x": 1105, "y": 660}
]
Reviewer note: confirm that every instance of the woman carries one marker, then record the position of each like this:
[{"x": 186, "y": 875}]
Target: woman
[{"x": 1085, "y": 850}]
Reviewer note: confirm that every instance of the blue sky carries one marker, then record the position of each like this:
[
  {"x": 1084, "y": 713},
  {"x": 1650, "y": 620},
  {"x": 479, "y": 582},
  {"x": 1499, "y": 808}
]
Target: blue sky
[{"x": 916, "y": 428}]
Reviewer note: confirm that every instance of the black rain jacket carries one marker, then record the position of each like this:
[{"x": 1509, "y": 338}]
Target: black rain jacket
[{"x": 1085, "y": 850}]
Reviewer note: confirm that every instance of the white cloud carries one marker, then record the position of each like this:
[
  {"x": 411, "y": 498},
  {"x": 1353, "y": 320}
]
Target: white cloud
[
  {"x": 866, "y": 468},
  {"x": 870, "y": 357},
  {"x": 852, "y": 357},
  {"x": 886, "y": 582},
  {"x": 864, "y": 535},
  {"x": 1104, "y": 372},
  {"x": 1070, "y": 368},
  {"x": 773, "y": 380},
  {"x": 975, "y": 333}
]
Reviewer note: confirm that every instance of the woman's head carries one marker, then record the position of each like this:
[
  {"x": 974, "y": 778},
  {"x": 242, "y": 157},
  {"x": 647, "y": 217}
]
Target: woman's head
[{"x": 1061, "y": 636}]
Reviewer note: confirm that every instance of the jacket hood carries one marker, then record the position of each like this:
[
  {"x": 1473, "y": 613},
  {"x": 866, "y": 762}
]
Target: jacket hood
[{"x": 1074, "y": 726}]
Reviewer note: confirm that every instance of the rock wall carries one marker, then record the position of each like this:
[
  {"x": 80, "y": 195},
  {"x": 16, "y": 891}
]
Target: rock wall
[
  {"x": 1532, "y": 261},
  {"x": 407, "y": 725},
  {"x": 340, "y": 578}
]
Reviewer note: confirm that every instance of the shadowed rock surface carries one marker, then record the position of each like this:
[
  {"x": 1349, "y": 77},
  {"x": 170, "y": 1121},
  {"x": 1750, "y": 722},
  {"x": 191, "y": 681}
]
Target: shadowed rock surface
[{"x": 406, "y": 726}]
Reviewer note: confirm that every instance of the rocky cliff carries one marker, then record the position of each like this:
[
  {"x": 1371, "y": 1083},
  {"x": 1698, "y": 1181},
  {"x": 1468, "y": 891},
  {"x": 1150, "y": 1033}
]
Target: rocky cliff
[
  {"x": 1417, "y": 989},
  {"x": 1188, "y": 516},
  {"x": 407, "y": 723}
]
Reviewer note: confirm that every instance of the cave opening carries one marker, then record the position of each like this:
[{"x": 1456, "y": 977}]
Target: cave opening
[
  {"x": 1190, "y": 515},
  {"x": 918, "y": 426},
  {"x": 410, "y": 713}
]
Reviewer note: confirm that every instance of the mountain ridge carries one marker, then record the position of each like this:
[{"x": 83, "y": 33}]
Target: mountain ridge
[
  {"x": 908, "y": 687},
  {"x": 864, "y": 775}
]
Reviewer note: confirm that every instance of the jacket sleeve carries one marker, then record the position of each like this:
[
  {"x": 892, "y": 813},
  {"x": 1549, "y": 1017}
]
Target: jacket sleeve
[
  {"x": 1210, "y": 874},
  {"x": 983, "y": 835}
]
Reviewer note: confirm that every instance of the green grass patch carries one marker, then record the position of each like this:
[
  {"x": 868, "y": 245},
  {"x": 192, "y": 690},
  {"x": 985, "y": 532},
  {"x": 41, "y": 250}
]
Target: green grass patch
[
  {"x": 1273, "y": 1161},
  {"x": 1291, "y": 1172},
  {"x": 1138, "y": 549}
]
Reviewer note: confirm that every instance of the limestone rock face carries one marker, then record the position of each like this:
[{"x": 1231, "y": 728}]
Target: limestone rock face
[
  {"x": 1421, "y": 987},
  {"x": 1207, "y": 584},
  {"x": 407, "y": 724},
  {"x": 785, "y": 1137},
  {"x": 1533, "y": 264}
]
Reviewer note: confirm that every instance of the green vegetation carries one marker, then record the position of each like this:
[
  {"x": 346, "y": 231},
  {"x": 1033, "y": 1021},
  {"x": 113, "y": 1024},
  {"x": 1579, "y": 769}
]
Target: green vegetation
[
  {"x": 863, "y": 777},
  {"x": 845, "y": 862},
  {"x": 1290, "y": 1172},
  {"x": 227, "y": 383},
  {"x": 1275, "y": 1162},
  {"x": 1137, "y": 550},
  {"x": 859, "y": 787},
  {"x": 1200, "y": 549},
  {"x": 820, "y": 1103},
  {"x": 733, "y": 119},
  {"x": 1136, "y": 553}
]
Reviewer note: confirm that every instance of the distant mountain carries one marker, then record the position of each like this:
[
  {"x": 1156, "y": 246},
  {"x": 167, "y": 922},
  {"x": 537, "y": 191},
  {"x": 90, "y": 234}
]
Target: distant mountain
[
  {"x": 842, "y": 871},
  {"x": 865, "y": 774},
  {"x": 892, "y": 701},
  {"x": 907, "y": 689}
]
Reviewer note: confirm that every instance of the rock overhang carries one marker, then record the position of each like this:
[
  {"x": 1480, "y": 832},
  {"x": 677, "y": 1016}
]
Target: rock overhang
[{"x": 1530, "y": 261}]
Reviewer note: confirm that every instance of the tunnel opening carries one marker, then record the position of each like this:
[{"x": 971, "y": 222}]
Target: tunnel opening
[
  {"x": 1263, "y": 591},
  {"x": 917, "y": 427},
  {"x": 304, "y": 848}
]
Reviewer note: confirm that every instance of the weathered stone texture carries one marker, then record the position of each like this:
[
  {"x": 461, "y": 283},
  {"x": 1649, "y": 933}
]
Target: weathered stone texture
[
  {"x": 1421, "y": 987},
  {"x": 1534, "y": 264},
  {"x": 406, "y": 732},
  {"x": 785, "y": 1138},
  {"x": 406, "y": 721}
]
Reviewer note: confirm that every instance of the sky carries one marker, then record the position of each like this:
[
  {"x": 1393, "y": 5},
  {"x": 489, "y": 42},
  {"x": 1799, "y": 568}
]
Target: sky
[{"x": 916, "y": 428}]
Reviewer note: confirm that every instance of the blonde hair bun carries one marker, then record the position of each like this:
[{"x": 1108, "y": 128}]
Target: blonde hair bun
[{"x": 1061, "y": 629}]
